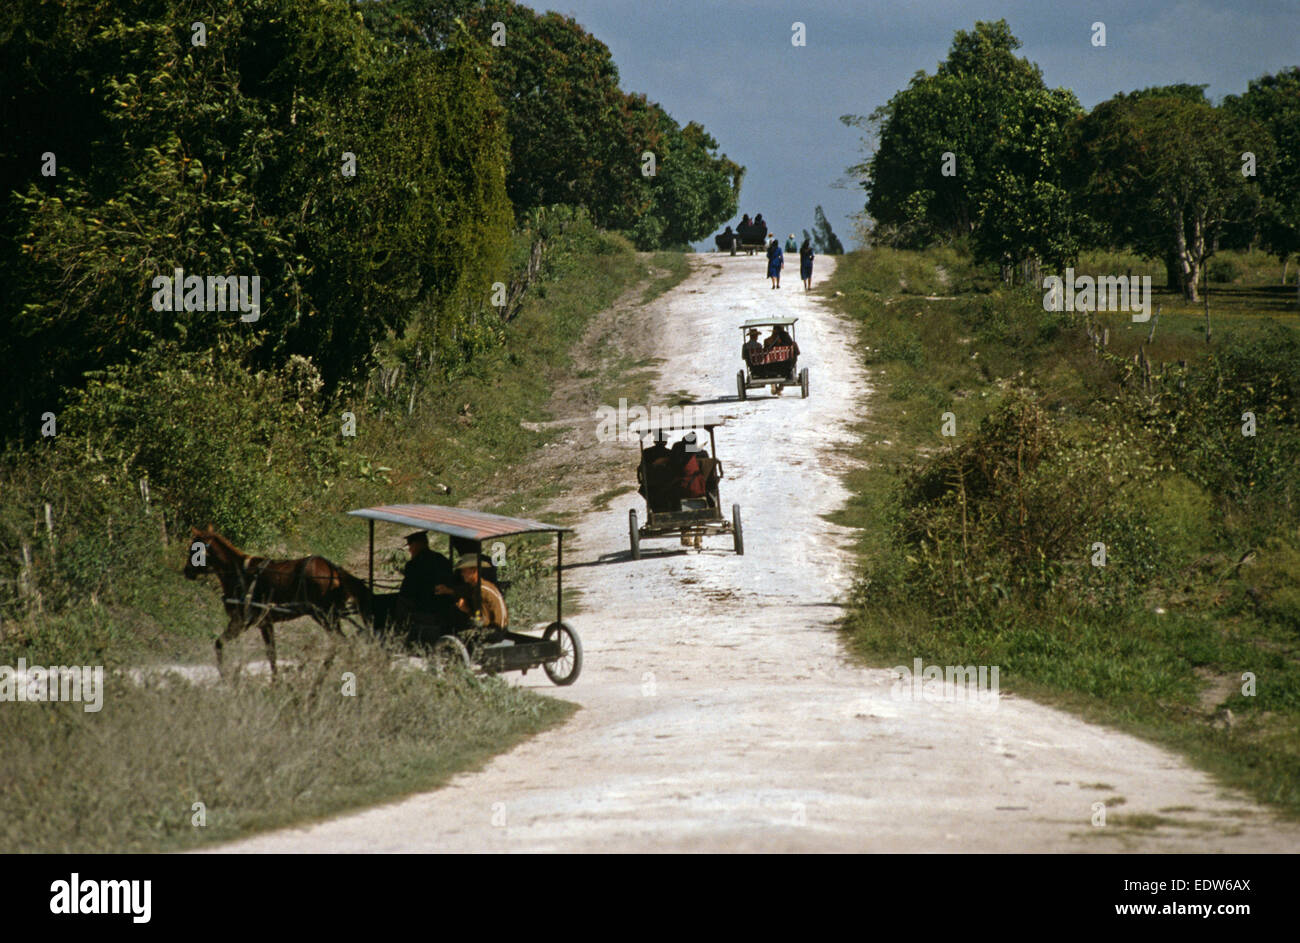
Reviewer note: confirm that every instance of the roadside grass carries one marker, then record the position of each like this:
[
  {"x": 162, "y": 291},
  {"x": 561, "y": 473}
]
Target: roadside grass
[
  {"x": 263, "y": 756},
  {"x": 670, "y": 268},
  {"x": 1162, "y": 655},
  {"x": 256, "y": 756}
]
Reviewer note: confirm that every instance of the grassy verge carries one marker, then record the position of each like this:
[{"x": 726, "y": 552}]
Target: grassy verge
[
  {"x": 260, "y": 757},
  {"x": 978, "y": 548},
  {"x": 168, "y": 765}
]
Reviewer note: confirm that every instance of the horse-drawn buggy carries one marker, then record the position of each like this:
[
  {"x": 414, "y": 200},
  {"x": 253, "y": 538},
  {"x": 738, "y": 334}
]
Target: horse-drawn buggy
[
  {"x": 774, "y": 362},
  {"x": 459, "y": 613},
  {"x": 748, "y": 238},
  {"x": 680, "y": 486},
  {"x": 485, "y": 640}
]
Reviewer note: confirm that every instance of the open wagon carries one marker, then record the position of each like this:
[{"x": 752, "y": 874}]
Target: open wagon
[
  {"x": 774, "y": 362},
  {"x": 680, "y": 487},
  {"x": 492, "y": 649}
]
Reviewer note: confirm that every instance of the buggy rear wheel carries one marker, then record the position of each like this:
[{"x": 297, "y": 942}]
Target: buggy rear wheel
[
  {"x": 565, "y": 669},
  {"x": 803, "y": 381},
  {"x": 737, "y": 532},
  {"x": 740, "y": 383},
  {"x": 449, "y": 653},
  {"x": 633, "y": 534}
]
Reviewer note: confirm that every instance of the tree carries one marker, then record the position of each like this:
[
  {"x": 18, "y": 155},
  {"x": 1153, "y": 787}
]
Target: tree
[
  {"x": 1163, "y": 174},
  {"x": 227, "y": 160},
  {"x": 824, "y": 239},
  {"x": 575, "y": 136},
  {"x": 1273, "y": 101},
  {"x": 973, "y": 150},
  {"x": 693, "y": 190}
]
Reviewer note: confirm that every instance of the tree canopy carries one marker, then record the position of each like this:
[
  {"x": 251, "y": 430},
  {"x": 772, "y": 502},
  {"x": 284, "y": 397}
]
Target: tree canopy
[
  {"x": 228, "y": 158},
  {"x": 972, "y": 151}
]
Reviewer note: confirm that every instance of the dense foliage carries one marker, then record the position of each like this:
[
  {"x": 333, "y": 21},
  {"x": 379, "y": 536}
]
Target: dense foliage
[
  {"x": 228, "y": 159},
  {"x": 981, "y": 151},
  {"x": 575, "y": 136}
]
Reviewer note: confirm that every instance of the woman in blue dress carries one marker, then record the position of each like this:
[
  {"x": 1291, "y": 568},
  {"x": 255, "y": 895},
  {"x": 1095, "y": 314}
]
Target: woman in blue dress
[
  {"x": 775, "y": 259},
  {"x": 805, "y": 264}
]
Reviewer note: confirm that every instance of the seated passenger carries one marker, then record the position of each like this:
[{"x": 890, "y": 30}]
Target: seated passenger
[
  {"x": 780, "y": 337},
  {"x": 692, "y": 480},
  {"x": 478, "y": 599},
  {"x": 751, "y": 347}
]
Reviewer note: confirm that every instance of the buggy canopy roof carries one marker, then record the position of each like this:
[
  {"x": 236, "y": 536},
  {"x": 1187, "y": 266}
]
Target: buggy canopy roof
[
  {"x": 455, "y": 522},
  {"x": 767, "y": 322},
  {"x": 676, "y": 420}
]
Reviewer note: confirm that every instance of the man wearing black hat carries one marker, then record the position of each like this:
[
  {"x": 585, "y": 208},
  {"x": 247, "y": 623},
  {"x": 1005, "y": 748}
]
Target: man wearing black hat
[{"x": 425, "y": 572}]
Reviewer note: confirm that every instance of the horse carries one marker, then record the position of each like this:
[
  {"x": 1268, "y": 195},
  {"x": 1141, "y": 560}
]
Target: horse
[{"x": 261, "y": 592}]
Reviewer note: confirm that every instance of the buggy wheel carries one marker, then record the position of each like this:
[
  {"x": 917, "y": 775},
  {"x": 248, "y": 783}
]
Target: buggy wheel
[
  {"x": 740, "y": 383},
  {"x": 737, "y": 532},
  {"x": 803, "y": 381},
  {"x": 565, "y": 669},
  {"x": 633, "y": 535},
  {"x": 449, "y": 654}
]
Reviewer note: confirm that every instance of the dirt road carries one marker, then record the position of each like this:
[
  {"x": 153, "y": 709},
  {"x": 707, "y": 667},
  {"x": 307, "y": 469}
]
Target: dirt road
[{"x": 719, "y": 712}]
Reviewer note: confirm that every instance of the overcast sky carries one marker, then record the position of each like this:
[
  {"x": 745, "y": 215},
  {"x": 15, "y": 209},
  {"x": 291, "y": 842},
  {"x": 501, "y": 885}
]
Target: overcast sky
[{"x": 775, "y": 108}]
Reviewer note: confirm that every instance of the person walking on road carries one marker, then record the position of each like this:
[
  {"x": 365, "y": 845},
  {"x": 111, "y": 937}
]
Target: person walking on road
[
  {"x": 775, "y": 259},
  {"x": 805, "y": 264}
]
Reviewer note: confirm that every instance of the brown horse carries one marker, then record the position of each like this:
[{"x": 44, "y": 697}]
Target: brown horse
[{"x": 261, "y": 592}]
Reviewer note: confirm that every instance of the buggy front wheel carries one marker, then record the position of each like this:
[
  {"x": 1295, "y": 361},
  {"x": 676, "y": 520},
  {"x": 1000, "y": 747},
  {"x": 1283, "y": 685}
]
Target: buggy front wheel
[
  {"x": 740, "y": 383},
  {"x": 737, "y": 532},
  {"x": 633, "y": 535},
  {"x": 803, "y": 381},
  {"x": 563, "y": 670},
  {"x": 449, "y": 653}
]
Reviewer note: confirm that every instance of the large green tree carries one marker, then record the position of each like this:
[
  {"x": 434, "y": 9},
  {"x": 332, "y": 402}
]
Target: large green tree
[
  {"x": 575, "y": 136},
  {"x": 973, "y": 151},
  {"x": 1273, "y": 102},
  {"x": 1163, "y": 174}
]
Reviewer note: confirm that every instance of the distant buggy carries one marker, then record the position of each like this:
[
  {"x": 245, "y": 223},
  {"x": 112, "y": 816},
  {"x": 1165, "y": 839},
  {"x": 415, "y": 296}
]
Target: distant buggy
[{"x": 773, "y": 362}]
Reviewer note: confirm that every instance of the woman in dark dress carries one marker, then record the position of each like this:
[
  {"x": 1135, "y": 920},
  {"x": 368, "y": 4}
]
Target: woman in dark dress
[
  {"x": 775, "y": 259},
  {"x": 805, "y": 264}
]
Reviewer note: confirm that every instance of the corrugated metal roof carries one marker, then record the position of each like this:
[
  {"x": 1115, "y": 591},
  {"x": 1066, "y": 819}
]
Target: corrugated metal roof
[
  {"x": 766, "y": 322},
  {"x": 457, "y": 522}
]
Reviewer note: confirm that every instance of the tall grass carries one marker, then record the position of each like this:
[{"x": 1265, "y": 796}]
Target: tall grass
[
  {"x": 978, "y": 548},
  {"x": 169, "y": 764}
]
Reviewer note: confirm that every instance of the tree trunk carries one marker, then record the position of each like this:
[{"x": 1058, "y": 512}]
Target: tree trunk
[
  {"x": 1173, "y": 272},
  {"x": 1187, "y": 265}
]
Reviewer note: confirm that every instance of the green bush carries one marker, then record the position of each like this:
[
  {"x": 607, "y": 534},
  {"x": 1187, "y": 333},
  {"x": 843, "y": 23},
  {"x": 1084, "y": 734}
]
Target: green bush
[
  {"x": 1223, "y": 270},
  {"x": 1017, "y": 510}
]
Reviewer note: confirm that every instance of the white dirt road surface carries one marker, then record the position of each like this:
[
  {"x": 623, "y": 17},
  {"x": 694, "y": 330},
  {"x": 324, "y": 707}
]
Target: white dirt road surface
[{"x": 719, "y": 710}]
